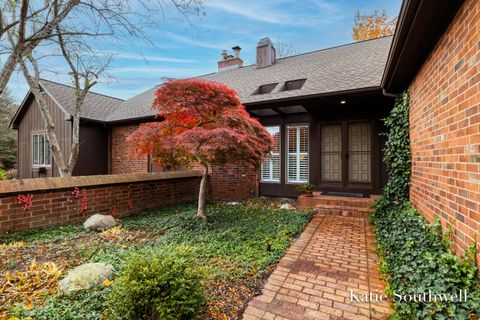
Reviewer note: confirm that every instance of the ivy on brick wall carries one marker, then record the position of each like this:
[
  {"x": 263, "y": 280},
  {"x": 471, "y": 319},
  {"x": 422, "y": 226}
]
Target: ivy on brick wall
[
  {"x": 416, "y": 259},
  {"x": 397, "y": 152}
]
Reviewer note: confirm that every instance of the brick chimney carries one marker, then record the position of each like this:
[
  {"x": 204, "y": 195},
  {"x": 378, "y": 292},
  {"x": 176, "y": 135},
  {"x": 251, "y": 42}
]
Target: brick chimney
[
  {"x": 230, "y": 61},
  {"x": 265, "y": 53}
]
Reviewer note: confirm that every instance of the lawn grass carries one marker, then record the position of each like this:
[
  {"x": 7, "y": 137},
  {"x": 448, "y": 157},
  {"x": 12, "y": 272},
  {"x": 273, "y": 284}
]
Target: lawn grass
[{"x": 231, "y": 247}]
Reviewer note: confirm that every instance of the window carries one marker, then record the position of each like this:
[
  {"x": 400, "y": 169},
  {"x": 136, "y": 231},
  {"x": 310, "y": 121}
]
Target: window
[
  {"x": 270, "y": 169},
  {"x": 41, "y": 151},
  {"x": 293, "y": 84},
  {"x": 266, "y": 88},
  {"x": 297, "y": 153}
]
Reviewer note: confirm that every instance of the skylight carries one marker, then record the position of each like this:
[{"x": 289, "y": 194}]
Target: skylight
[
  {"x": 265, "y": 88},
  {"x": 293, "y": 84}
]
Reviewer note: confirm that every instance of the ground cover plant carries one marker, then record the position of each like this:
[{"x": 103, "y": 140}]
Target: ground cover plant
[
  {"x": 234, "y": 250},
  {"x": 416, "y": 254}
]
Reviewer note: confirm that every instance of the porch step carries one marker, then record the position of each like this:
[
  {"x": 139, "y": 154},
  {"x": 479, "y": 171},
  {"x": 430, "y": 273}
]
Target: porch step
[
  {"x": 337, "y": 205},
  {"x": 345, "y": 212}
]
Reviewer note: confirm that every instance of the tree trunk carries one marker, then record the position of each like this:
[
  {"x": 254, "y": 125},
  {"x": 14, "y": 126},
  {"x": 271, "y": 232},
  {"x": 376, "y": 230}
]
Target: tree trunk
[
  {"x": 202, "y": 195},
  {"x": 8, "y": 68}
]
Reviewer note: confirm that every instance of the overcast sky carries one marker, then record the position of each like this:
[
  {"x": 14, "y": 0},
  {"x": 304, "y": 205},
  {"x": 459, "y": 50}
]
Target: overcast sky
[{"x": 184, "y": 48}]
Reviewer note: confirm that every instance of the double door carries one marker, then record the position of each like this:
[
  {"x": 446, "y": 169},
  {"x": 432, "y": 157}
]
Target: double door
[{"x": 346, "y": 154}]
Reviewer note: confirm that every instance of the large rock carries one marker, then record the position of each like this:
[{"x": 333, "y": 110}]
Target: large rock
[
  {"x": 85, "y": 276},
  {"x": 100, "y": 222},
  {"x": 287, "y": 206}
]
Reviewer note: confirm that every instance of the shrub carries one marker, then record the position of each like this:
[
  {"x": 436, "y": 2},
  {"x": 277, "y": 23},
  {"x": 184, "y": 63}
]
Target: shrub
[
  {"x": 3, "y": 174},
  {"x": 306, "y": 186},
  {"x": 157, "y": 284}
]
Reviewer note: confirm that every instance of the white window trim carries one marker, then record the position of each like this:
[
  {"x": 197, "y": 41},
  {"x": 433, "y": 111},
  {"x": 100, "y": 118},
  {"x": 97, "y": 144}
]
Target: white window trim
[
  {"x": 279, "y": 153},
  {"x": 298, "y": 154},
  {"x": 51, "y": 156}
]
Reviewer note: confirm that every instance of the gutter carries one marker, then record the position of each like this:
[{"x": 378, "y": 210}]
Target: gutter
[
  {"x": 388, "y": 94},
  {"x": 317, "y": 95}
]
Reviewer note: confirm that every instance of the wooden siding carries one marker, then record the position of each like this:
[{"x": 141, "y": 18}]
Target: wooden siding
[
  {"x": 31, "y": 121},
  {"x": 93, "y": 156}
]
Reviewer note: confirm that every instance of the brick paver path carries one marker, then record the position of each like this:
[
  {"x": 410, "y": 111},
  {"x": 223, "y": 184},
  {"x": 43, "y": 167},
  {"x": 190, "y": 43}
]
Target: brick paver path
[{"x": 333, "y": 258}]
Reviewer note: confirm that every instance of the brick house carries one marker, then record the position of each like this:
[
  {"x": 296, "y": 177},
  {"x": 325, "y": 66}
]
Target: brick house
[{"x": 325, "y": 109}]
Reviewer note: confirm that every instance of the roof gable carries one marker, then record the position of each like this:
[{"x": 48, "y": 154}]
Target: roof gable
[{"x": 95, "y": 107}]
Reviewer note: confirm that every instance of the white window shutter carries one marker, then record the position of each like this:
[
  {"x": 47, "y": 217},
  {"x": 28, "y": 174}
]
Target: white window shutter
[
  {"x": 298, "y": 153},
  {"x": 270, "y": 168}
]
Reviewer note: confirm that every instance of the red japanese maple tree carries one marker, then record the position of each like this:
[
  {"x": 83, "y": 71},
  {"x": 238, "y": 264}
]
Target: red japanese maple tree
[{"x": 204, "y": 123}]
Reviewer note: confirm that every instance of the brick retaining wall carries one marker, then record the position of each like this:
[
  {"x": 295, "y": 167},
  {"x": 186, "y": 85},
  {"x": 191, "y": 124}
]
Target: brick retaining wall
[{"x": 54, "y": 202}]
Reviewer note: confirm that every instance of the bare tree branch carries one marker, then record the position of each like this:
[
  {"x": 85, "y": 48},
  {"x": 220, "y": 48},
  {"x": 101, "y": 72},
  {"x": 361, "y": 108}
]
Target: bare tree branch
[
  {"x": 23, "y": 45},
  {"x": 68, "y": 33}
]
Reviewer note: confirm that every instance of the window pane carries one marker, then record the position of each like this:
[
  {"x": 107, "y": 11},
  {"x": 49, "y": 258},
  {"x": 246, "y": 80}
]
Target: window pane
[
  {"x": 292, "y": 168},
  {"x": 303, "y": 139},
  {"x": 276, "y": 167},
  {"x": 275, "y": 132},
  {"x": 35, "y": 149},
  {"x": 270, "y": 168},
  {"x": 292, "y": 139},
  {"x": 48, "y": 153},
  {"x": 298, "y": 154},
  {"x": 265, "y": 170},
  {"x": 41, "y": 149}
]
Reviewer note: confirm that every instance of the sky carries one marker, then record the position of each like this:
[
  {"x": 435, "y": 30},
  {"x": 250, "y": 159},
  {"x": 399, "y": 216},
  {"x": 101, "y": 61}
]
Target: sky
[{"x": 180, "y": 46}]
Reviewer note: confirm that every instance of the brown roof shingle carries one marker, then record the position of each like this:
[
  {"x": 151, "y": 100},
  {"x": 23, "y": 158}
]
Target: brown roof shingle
[
  {"x": 352, "y": 66},
  {"x": 96, "y": 106}
]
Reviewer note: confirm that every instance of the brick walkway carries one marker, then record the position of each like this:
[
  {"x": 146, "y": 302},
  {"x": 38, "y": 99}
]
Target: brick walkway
[{"x": 332, "y": 258}]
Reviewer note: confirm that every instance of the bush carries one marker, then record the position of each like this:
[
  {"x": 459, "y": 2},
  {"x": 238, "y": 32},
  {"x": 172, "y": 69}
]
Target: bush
[
  {"x": 418, "y": 259},
  {"x": 157, "y": 284},
  {"x": 3, "y": 174}
]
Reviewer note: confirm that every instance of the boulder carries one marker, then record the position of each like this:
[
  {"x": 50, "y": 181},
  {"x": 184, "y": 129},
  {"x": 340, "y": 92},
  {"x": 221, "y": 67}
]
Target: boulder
[
  {"x": 287, "y": 206},
  {"x": 85, "y": 276},
  {"x": 100, "y": 222}
]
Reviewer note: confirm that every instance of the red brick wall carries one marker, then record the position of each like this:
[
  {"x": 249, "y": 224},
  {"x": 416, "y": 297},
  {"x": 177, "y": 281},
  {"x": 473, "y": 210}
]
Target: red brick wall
[
  {"x": 227, "y": 182},
  {"x": 122, "y": 162},
  {"x": 53, "y": 203},
  {"x": 233, "y": 182},
  {"x": 445, "y": 130}
]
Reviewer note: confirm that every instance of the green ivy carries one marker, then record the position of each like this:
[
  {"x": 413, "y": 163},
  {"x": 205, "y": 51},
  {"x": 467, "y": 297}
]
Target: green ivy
[
  {"x": 415, "y": 257},
  {"x": 397, "y": 152}
]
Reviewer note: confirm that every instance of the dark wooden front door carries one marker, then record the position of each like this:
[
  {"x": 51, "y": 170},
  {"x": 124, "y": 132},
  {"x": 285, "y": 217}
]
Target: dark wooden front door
[{"x": 346, "y": 155}]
